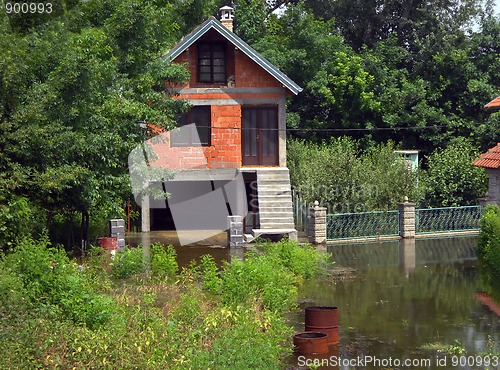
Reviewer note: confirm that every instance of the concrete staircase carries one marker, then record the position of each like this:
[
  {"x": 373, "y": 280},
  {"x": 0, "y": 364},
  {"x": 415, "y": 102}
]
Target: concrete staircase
[{"x": 274, "y": 195}]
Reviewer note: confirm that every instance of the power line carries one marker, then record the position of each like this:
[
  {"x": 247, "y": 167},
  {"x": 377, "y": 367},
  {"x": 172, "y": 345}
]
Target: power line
[{"x": 292, "y": 129}]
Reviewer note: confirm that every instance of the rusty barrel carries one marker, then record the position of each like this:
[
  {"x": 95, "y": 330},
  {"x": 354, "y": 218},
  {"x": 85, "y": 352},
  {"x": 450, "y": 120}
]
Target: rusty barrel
[
  {"x": 108, "y": 244},
  {"x": 324, "y": 319},
  {"x": 310, "y": 343}
]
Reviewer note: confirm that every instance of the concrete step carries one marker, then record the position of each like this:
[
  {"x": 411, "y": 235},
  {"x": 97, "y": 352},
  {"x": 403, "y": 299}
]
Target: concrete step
[
  {"x": 284, "y": 210},
  {"x": 274, "y": 177},
  {"x": 278, "y": 226},
  {"x": 272, "y": 185},
  {"x": 275, "y": 212},
  {"x": 275, "y": 202},
  {"x": 275, "y": 207},
  {"x": 267, "y": 219},
  {"x": 272, "y": 193}
]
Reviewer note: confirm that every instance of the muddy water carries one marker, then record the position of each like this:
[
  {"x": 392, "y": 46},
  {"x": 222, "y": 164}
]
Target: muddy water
[
  {"x": 403, "y": 301},
  {"x": 203, "y": 242}
]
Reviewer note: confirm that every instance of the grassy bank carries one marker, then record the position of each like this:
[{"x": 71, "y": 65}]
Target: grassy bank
[{"x": 120, "y": 314}]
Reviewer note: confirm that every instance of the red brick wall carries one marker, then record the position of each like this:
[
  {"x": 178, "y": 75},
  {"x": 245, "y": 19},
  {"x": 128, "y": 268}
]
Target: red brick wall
[
  {"x": 250, "y": 74},
  {"x": 224, "y": 151},
  {"x": 247, "y": 73}
]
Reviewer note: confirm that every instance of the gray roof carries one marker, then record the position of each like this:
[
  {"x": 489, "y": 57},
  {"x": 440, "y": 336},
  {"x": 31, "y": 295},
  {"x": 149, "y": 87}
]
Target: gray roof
[{"x": 210, "y": 23}]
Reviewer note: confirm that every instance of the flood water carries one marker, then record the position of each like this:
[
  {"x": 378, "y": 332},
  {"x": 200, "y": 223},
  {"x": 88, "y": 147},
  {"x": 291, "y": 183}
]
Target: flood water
[
  {"x": 397, "y": 301},
  {"x": 404, "y": 300}
]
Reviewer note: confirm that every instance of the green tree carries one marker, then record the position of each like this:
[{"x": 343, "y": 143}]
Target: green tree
[
  {"x": 73, "y": 90},
  {"x": 364, "y": 22},
  {"x": 451, "y": 179},
  {"x": 421, "y": 80},
  {"x": 338, "y": 91}
]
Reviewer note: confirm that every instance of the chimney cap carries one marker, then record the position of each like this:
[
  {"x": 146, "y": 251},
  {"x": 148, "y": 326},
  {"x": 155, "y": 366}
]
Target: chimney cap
[{"x": 226, "y": 13}]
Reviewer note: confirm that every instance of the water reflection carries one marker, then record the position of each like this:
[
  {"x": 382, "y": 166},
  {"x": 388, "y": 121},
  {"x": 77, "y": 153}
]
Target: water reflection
[
  {"x": 214, "y": 245},
  {"x": 407, "y": 256},
  {"x": 406, "y": 297}
]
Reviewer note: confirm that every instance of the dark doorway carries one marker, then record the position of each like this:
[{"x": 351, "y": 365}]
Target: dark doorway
[{"x": 251, "y": 220}]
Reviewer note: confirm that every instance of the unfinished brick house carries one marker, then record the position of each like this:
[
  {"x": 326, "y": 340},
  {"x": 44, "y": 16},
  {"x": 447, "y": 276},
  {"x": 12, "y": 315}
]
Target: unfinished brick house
[{"x": 238, "y": 113}]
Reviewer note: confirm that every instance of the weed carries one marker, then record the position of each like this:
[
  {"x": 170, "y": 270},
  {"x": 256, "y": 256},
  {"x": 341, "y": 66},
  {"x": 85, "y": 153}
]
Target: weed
[
  {"x": 128, "y": 262},
  {"x": 163, "y": 262}
]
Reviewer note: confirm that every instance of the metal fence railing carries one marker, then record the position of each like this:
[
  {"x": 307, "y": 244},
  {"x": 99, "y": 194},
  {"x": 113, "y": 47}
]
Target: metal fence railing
[
  {"x": 362, "y": 225},
  {"x": 435, "y": 220},
  {"x": 300, "y": 211}
]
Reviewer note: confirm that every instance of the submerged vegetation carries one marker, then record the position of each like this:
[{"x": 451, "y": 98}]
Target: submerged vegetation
[{"x": 56, "y": 313}]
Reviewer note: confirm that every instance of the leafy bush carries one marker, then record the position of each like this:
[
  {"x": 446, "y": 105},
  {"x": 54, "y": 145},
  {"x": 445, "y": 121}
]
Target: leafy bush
[
  {"x": 303, "y": 260},
  {"x": 209, "y": 274},
  {"x": 345, "y": 180},
  {"x": 271, "y": 275},
  {"x": 488, "y": 245},
  {"x": 19, "y": 219},
  {"x": 155, "y": 324},
  {"x": 53, "y": 283},
  {"x": 259, "y": 335},
  {"x": 128, "y": 262},
  {"x": 262, "y": 278},
  {"x": 163, "y": 261},
  {"x": 132, "y": 261},
  {"x": 12, "y": 291}
]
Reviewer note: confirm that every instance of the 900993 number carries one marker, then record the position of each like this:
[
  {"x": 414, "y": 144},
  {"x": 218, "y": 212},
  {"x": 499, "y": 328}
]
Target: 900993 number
[
  {"x": 25, "y": 8},
  {"x": 475, "y": 361}
]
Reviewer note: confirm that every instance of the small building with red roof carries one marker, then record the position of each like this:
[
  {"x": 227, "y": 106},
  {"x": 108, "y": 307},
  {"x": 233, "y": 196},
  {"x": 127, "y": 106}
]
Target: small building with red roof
[{"x": 490, "y": 161}]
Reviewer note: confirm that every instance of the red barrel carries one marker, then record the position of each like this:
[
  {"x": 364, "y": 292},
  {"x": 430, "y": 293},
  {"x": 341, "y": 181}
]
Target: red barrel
[
  {"x": 324, "y": 319},
  {"x": 310, "y": 343},
  {"x": 108, "y": 244}
]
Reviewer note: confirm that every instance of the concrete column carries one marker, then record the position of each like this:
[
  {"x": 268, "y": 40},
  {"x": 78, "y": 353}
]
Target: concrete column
[
  {"x": 406, "y": 219},
  {"x": 145, "y": 214},
  {"x": 317, "y": 224}
]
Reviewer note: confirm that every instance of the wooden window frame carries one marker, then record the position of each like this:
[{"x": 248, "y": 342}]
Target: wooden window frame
[
  {"x": 187, "y": 119},
  {"x": 208, "y": 58}
]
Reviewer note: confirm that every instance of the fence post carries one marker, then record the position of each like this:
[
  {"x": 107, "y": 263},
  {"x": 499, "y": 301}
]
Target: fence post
[
  {"x": 235, "y": 231},
  {"x": 317, "y": 224},
  {"x": 406, "y": 219}
]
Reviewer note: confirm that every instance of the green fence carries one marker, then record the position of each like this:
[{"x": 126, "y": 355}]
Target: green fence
[
  {"x": 427, "y": 221},
  {"x": 362, "y": 225},
  {"x": 436, "y": 220}
]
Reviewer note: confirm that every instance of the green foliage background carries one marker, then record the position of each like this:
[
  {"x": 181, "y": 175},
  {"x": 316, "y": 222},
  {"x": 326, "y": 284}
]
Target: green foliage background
[{"x": 344, "y": 179}]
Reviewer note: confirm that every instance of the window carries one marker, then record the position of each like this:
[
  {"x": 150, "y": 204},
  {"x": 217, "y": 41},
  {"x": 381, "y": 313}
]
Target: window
[
  {"x": 198, "y": 134},
  {"x": 211, "y": 62}
]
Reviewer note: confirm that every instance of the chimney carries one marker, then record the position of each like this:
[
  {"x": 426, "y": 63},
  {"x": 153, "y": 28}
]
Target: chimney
[{"x": 226, "y": 14}]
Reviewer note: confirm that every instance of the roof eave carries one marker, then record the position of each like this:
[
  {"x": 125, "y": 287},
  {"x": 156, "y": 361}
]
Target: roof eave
[{"x": 239, "y": 43}]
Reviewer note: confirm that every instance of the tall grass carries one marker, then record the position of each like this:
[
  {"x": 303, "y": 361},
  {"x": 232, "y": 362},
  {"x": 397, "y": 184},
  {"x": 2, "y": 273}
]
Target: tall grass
[{"x": 104, "y": 315}]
